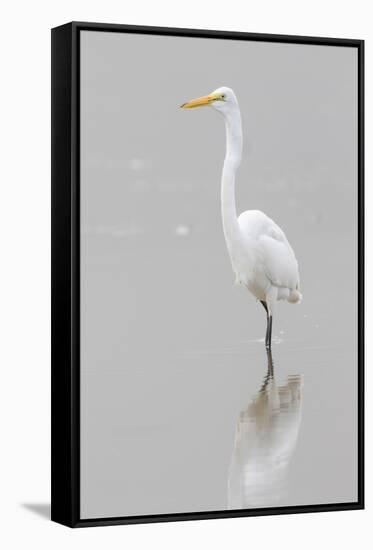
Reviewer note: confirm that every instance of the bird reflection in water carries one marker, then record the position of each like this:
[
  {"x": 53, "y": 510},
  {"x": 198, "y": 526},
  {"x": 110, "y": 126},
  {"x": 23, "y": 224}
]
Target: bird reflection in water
[{"x": 265, "y": 441}]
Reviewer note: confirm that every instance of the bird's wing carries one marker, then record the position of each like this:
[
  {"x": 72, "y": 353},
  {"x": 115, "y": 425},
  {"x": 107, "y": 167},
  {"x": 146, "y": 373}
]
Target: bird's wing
[
  {"x": 279, "y": 262},
  {"x": 275, "y": 253}
]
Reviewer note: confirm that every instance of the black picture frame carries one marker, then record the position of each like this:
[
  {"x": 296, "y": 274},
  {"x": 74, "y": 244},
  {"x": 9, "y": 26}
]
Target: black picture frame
[{"x": 66, "y": 273}]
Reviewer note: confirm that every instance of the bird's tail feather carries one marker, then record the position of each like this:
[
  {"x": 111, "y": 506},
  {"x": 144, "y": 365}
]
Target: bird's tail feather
[{"x": 295, "y": 297}]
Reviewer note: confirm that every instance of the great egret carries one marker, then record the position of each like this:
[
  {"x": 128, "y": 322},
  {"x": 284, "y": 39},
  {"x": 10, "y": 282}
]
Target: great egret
[{"x": 261, "y": 256}]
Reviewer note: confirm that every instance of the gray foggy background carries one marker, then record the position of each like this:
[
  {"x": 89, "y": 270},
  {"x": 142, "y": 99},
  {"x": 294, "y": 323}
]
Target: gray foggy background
[{"x": 172, "y": 352}]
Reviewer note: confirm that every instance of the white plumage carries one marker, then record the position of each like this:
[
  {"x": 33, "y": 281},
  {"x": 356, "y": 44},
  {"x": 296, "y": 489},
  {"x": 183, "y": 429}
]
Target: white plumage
[
  {"x": 261, "y": 256},
  {"x": 275, "y": 268}
]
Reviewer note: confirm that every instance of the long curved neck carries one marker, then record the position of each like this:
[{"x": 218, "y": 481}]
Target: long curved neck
[{"x": 232, "y": 161}]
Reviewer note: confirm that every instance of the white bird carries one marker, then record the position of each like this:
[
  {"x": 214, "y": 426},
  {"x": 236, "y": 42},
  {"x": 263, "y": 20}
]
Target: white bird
[{"x": 261, "y": 256}]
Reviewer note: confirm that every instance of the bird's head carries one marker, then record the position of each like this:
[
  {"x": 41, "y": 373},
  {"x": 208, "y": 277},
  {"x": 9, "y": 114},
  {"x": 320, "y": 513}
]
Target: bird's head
[{"x": 222, "y": 99}]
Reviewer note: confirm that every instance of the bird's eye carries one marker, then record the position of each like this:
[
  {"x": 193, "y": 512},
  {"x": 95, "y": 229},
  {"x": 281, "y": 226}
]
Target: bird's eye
[{"x": 223, "y": 96}]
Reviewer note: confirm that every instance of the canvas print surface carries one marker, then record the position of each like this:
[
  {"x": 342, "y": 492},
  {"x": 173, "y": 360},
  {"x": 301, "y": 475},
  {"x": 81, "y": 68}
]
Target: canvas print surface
[{"x": 218, "y": 350}]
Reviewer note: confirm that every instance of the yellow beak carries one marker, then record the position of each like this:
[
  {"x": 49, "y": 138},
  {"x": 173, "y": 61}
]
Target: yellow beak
[{"x": 198, "y": 102}]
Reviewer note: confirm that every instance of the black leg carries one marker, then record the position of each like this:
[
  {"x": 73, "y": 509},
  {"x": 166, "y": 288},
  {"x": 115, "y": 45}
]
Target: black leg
[
  {"x": 264, "y": 305},
  {"x": 268, "y": 340},
  {"x": 269, "y": 332}
]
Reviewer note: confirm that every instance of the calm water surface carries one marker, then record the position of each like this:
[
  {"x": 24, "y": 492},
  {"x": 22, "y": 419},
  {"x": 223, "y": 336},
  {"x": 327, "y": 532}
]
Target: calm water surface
[{"x": 183, "y": 409}]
